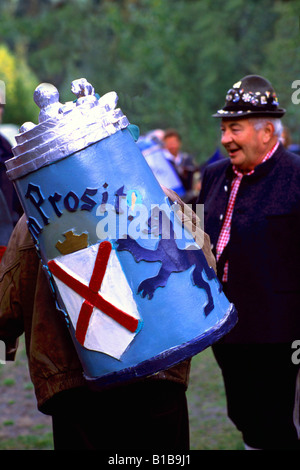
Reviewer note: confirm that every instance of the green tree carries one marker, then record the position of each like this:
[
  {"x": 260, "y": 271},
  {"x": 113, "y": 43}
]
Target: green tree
[
  {"x": 282, "y": 62},
  {"x": 171, "y": 62},
  {"x": 19, "y": 82}
]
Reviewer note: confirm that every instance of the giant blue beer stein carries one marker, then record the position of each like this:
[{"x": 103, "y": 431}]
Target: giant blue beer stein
[{"x": 133, "y": 285}]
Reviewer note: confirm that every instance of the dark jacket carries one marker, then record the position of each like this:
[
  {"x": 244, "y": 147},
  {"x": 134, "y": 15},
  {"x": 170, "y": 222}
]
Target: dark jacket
[
  {"x": 12, "y": 201},
  {"x": 6, "y": 223},
  {"x": 264, "y": 247}
]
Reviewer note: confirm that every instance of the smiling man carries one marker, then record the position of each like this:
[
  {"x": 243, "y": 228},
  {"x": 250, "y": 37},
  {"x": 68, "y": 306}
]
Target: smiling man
[
  {"x": 252, "y": 215},
  {"x": 247, "y": 141}
]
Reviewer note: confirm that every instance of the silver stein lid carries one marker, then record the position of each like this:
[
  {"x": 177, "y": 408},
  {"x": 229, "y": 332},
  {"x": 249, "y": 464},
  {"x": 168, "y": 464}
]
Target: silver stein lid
[{"x": 64, "y": 129}]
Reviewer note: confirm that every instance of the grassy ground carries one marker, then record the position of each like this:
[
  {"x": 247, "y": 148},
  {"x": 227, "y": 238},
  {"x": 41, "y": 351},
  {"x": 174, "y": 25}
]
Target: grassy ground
[
  {"x": 210, "y": 427},
  {"x": 22, "y": 427}
]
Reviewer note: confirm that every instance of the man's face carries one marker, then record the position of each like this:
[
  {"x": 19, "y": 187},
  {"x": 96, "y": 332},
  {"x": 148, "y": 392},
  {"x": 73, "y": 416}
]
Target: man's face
[
  {"x": 172, "y": 143},
  {"x": 244, "y": 144}
]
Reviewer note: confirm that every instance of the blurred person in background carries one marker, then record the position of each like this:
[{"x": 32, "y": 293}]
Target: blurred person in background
[
  {"x": 10, "y": 207},
  {"x": 287, "y": 141},
  {"x": 182, "y": 162}
]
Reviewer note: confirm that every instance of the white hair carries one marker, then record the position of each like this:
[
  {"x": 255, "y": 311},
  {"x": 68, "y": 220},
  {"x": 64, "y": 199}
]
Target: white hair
[{"x": 259, "y": 123}]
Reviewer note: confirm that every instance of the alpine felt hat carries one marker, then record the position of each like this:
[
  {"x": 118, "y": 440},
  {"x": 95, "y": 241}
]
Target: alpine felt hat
[{"x": 252, "y": 96}]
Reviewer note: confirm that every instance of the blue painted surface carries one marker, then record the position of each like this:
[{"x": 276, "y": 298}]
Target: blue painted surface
[{"x": 174, "y": 324}]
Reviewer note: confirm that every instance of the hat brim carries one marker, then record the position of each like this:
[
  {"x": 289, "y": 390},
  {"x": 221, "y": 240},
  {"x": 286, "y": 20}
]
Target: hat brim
[{"x": 248, "y": 114}]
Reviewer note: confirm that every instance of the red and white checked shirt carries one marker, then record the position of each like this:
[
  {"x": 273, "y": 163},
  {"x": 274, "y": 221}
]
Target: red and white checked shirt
[{"x": 225, "y": 231}]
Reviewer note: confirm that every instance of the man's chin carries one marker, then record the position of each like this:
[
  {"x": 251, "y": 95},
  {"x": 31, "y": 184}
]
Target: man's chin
[{"x": 234, "y": 160}]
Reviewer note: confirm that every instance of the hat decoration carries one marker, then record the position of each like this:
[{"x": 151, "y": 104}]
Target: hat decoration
[{"x": 253, "y": 95}]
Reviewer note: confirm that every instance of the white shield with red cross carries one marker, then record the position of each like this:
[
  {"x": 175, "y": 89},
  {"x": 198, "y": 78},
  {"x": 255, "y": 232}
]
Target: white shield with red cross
[{"x": 105, "y": 318}]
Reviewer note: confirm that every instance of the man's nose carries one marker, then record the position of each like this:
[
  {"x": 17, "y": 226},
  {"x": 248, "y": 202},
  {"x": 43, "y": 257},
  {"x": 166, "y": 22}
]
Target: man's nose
[{"x": 226, "y": 137}]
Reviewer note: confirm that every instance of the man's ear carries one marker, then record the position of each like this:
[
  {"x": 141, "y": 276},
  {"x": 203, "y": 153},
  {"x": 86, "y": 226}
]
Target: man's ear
[{"x": 268, "y": 132}]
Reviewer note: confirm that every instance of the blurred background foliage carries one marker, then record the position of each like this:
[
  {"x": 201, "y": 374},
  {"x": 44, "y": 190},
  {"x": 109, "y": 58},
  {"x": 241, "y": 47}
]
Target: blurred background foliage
[{"x": 170, "y": 61}]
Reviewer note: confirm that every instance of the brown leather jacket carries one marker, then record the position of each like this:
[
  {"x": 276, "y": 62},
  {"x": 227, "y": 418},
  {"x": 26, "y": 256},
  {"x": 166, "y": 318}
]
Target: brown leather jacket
[{"x": 26, "y": 305}]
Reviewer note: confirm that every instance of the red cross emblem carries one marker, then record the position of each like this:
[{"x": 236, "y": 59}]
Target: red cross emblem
[{"x": 91, "y": 295}]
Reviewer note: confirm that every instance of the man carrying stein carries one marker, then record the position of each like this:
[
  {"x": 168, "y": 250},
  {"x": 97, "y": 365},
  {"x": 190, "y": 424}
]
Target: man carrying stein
[{"x": 252, "y": 215}]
